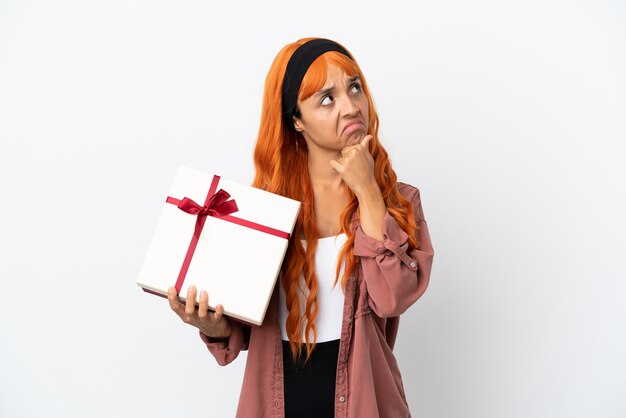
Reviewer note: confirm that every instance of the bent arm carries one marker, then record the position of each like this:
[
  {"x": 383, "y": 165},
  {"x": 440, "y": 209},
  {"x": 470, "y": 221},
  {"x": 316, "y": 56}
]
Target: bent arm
[{"x": 395, "y": 278}]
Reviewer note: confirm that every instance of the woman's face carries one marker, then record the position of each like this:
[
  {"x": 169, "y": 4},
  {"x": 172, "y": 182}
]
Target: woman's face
[{"x": 336, "y": 116}]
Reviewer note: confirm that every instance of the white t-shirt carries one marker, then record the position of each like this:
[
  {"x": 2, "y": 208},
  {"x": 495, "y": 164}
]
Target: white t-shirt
[{"x": 330, "y": 300}]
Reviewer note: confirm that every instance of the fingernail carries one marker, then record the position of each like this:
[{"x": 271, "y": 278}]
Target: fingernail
[{"x": 203, "y": 293}]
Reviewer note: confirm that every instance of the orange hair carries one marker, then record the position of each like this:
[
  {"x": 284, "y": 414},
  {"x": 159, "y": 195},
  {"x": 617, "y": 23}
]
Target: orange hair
[{"x": 280, "y": 159}]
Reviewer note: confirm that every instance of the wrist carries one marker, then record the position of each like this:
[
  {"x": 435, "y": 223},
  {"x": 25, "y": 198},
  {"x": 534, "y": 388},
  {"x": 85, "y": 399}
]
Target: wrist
[
  {"x": 225, "y": 334},
  {"x": 372, "y": 211},
  {"x": 219, "y": 336},
  {"x": 368, "y": 191}
]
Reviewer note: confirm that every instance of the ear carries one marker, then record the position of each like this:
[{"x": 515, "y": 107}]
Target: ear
[{"x": 297, "y": 124}]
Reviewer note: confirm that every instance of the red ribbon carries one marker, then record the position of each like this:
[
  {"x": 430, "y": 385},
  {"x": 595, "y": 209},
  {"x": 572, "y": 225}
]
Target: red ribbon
[{"x": 218, "y": 206}]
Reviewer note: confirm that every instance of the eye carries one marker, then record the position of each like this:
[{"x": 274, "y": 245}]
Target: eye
[
  {"x": 326, "y": 100},
  {"x": 355, "y": 88}
]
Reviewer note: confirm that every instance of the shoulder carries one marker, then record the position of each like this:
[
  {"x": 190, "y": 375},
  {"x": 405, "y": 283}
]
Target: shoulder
[
  {"x": 408, "y": 191},
  {"x": 412, "y": 194}
]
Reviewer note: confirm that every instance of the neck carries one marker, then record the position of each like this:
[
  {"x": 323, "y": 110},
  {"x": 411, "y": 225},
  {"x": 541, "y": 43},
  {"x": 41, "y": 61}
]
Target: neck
[{"x": 320, "y": 171}]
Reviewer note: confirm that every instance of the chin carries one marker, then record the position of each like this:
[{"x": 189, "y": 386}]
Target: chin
[{"x": 355, "y": 138}]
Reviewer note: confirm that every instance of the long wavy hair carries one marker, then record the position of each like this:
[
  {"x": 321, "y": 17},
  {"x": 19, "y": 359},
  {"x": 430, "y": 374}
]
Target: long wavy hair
[{"x": 281, "y": 163}]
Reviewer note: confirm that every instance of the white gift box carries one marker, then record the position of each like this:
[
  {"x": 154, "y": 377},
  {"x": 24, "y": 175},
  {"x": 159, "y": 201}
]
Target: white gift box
[{"x": 237, "y": 257}]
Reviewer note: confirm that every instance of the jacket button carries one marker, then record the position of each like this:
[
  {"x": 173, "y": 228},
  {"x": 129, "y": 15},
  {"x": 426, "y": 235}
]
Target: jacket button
[
  {"x": 342, "y": 399},
  {"x": 413, "y": 264},
  {"x": 342, "y": 359},
  {"x": 349, "y": 320}
]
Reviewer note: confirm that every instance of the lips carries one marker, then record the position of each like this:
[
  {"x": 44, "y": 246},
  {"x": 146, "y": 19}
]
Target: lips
[{"x": 353, "y": 126}]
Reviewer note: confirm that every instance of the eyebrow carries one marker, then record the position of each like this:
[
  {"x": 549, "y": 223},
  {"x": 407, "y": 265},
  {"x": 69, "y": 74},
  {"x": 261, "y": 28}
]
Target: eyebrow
[{"x": 332, "y": 87}]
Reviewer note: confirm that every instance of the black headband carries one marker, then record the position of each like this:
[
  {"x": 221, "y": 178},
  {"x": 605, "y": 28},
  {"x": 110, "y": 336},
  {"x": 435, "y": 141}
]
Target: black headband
[{"x": 297, "y": 67}]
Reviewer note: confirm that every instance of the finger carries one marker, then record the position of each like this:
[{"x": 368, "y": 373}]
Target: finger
[
  {"x": 337, "y": 166},
  {"x": 366, "y": 141},
  {"x": 172, "y": 298},
  {"x": 204, "y": 304},
  {"x": 349, "y": 150},
  {"x": 190, "y": 304},
  {"x": 219, "y": 311}
]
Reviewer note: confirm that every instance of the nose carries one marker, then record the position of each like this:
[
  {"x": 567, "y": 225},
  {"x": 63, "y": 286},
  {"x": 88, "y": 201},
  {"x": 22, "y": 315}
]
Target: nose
[{"x": 349, "y": 107}]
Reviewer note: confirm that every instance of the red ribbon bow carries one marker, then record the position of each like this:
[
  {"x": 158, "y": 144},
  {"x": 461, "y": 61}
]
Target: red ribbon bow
[{"x": 217, "y": 205}]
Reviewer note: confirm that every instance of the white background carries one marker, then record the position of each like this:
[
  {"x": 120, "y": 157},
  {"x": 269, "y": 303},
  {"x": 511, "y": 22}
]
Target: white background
[{"x": 509, "y": 116}]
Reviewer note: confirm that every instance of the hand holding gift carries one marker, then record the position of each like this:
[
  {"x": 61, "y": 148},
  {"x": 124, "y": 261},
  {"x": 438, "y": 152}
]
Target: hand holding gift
[{"x": 212, "y": 324}]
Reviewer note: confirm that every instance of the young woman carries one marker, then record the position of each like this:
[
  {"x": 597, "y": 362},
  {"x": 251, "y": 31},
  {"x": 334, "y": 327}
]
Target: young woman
[{"x": 360, "y": 254}]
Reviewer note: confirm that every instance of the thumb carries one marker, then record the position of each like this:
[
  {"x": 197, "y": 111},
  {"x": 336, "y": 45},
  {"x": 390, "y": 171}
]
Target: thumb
[{"x": 366, "y": 140}]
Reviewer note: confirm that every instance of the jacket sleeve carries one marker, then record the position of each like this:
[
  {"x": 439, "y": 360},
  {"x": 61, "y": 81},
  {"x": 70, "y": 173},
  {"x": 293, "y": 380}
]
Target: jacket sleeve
[
  {"x": 395, "y": 278},
  {"x": 227, "y": 351}
]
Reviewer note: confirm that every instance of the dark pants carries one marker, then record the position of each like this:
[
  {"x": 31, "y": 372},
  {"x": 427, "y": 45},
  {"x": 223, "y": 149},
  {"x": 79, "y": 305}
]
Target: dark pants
[{"x": 310, "y": 387}]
